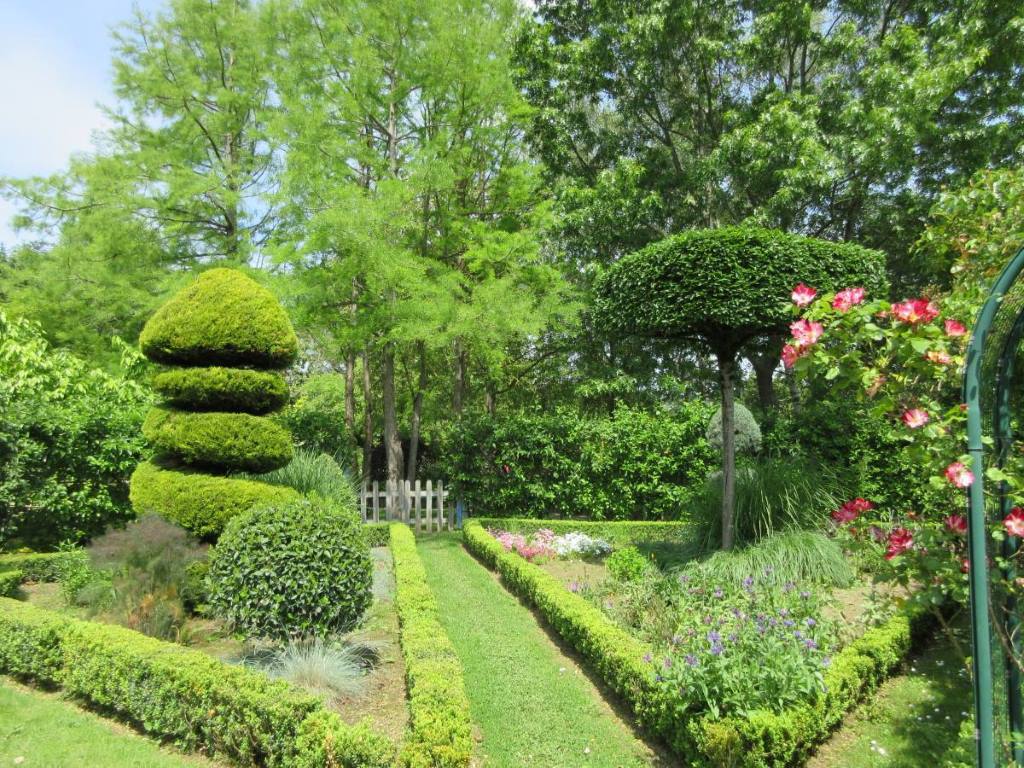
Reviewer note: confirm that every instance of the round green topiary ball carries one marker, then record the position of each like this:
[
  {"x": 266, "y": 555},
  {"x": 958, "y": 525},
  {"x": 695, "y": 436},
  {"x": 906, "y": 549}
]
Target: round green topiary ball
[
  {"x": 748, "y": 433},
  {"x": 296, "y": 570}
]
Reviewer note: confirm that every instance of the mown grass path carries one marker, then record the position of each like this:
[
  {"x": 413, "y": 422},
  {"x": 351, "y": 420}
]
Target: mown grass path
[
  {"x": 41, "y": 730},
  {"x": 533, "y": 705}
]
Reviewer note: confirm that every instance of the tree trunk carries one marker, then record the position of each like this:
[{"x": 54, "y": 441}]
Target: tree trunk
[
  {"x": 459, "y": 389},
  {"x": 367, "y": 418},
  {"x": 726, "y": 365},
  {"x": 417, "y": 412},
  {"x": 350, "y": 406},
  {"x": 764, "y": 371},
  {"x": 490, "y": 403},
  {"x": 392, "y": 442}
]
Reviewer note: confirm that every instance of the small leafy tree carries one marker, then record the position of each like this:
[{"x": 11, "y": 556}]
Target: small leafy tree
[{"x": 719, "y": 290}]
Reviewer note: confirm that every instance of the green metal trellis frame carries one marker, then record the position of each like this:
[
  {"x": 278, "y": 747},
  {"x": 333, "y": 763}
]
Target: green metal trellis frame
[{"x": 989, "y": 380}]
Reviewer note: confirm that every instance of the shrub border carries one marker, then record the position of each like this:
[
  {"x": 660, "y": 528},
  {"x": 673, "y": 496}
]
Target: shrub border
[
  {"x": 759, "y": 741},
  {"x": 616, "y": 533},
  {"x": 179, "y": 694},
  {"x": 9, "y": 582},
  {"x": 441, "y": 726}
]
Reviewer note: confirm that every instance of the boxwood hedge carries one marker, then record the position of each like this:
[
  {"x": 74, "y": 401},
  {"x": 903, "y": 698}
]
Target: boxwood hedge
[
  {"x": 44, "y": 566},
  {"x": 9, "y": 582},
  {"x": 222, "y": 389},
  {"x": 223, "y": 318},
  {"x": 235, "y": 441},
  {"x": 200, "y": 503},
  {"x": 186, "y": 696}
]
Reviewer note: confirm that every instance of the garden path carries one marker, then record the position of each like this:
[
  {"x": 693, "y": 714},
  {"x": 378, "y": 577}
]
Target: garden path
[{"x": 532, "y": 704}]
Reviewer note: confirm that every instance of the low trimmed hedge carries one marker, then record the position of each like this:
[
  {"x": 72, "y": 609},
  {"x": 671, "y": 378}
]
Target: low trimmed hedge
[
  {"x": 9, "y": 582},
  {"x": 43, "y": 566},
  {"x": 762, "y": 740},
  {"x": 377, "y": 534},
  {"x": 223, "y": 389},
  {"x": 235, "y": 441},
  {"x": 198, "y": 502},
  {"x": 441, "y": 734},
  {"x": 618, "y": 534},
  {"x": 182, "y": 695}
]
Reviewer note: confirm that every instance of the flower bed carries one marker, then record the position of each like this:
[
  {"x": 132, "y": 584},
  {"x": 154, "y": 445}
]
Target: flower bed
[
  {"x": 615, "y": 533},
  {"x": 773, "y": 714}
]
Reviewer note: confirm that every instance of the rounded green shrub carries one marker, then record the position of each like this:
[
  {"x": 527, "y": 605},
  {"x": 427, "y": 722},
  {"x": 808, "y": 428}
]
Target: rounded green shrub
[
  {"x": 221, "y": 440},
  {"x": 222, "y": 389},
  {"x": 223, "y": 318},
  {"x": 295, "y": 570},
  {"x": 748, "y": 433},
  {"x": 628, "y": 564},
  {"x": 200, "y": 503}
]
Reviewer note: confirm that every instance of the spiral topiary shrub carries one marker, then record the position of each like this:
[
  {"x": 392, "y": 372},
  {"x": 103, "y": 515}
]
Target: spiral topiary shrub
[
  {"x": 748, "y": 433},
  {"x": 226, "y": 337},
  {"x": 297, "y": 570},
  {"x": 223, "y": 389}
]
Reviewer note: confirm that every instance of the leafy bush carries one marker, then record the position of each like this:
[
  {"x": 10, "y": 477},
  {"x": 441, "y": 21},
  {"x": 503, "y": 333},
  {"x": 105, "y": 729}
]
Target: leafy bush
[
  {"x": 792, "y": 556},
  {"x": 230, "y": 441},
  {"x": 438, "y": 707},
  {"x": 223, "y": 389},
  {"x": 325, "y": 740},
  {"x": 10, "y": 581},
  {"x": 310, "y": 473},
  {"x": 632, "y": 464},
  {"x": 628, "y": 564},
  {"x": 200, "y": 503},
  {"x": 748, "y": 433},
  {"x": 68, "y": 439},
  {"x": 296, "y": 570},
  {"x": 316, "y": 416},
  {"x": 222, "y": 318},
  {"x": 772, "y": 496}
]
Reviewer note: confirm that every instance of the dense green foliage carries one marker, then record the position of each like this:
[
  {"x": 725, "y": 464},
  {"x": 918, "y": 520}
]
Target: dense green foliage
[
  {"x": 48, "y": 566},
  {"x": 441, "y": 726},
  {"x": 748, "y": 433},
  {"x": 630, "y": 465},
  {"x": 293, "y": 570},
  {"x": 222, "y": 441},
  {"x": 182, "y": 695},
  {"x": 68, "y": 438},
  {"x": 9, "y": 582},
  {"x": 200, "y": 503},
  {"x": 316, "y": 416},
  {"x": 628, "y": 564},
  {"x": 723, "y": 287},
  {"x": 222, "y": 318},
  {"x": 222, "y": 389}
]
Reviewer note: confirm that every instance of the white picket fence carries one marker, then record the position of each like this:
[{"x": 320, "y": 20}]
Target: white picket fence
[{"x": 424, "y": 506}]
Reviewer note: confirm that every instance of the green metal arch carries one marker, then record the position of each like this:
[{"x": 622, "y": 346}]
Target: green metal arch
[{"x": 981, "y": 607}]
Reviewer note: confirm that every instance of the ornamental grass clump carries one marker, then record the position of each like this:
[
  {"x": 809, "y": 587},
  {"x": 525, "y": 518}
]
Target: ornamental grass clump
[{"x": 225, "y": 339}]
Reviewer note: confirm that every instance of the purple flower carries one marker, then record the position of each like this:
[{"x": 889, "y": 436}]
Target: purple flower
[
  {"x": 813, "y": 646},
  {"x": 826, "y": 662},
  {"x": 714, "y": 637},
  {"x": 810, "y": 622},
  {"x": 798, "y": 635},
  {"x": 732, "y": 637},
  {"x": 788, "y": 623},
  {"x": 667, "y": 663},
  {"x": 748, "y": 582},
  {"x": 789, "y": 586},
  {"x": 716, "y": 649},
  {"x": 719, "y": 593},
  {"x": 805, "y": 595},
  {"x": 647, "y": 658},
  {"x": 574, "y": 586},
  {"x": 658, "y": 678},
  {"x": 783, "y": 612},
  {"x": 691, "y": 660}
]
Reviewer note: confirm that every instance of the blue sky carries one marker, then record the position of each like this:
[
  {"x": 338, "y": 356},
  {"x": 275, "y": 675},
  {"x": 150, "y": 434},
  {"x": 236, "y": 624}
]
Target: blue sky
[{"x": 55, "y": 60}]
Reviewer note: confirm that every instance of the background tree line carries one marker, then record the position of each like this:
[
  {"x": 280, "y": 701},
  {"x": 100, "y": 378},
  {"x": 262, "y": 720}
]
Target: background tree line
[{"x": 434, "y": 186}]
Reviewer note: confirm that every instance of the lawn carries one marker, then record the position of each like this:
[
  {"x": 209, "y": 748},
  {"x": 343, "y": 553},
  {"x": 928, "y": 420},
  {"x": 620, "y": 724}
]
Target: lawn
[
  {"x": 533, "y": 704},
  {"x": 914, "y": 719},
  {"x": 39, "y": 730}
]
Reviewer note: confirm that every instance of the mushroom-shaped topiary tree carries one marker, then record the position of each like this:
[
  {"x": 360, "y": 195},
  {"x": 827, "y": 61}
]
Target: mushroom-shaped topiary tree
[
  {"x": 720, "y": 289},
  {"x": 225, "y": 340}
]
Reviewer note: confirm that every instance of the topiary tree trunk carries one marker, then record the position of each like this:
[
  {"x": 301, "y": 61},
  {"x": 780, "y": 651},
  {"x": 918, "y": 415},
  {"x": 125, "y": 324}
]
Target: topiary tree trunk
[{"x": 726, "y": 380}]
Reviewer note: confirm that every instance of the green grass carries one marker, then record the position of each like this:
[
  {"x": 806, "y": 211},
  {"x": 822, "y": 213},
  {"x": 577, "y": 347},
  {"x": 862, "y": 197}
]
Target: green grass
[
  {"x": 45, "y": 731},
  {"x": 532, "y": 703},
  {"x": 912, "y": 722}
]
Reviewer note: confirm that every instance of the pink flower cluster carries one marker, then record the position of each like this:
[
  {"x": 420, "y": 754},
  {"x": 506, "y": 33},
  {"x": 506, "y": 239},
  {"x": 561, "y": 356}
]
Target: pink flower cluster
[
  {"x": 915, "y": 311},
  {"x": 539, "y": 545},
  {"x": 899, "y": 541},
  {"x": 846, "y": 298},
  {"x": 1014, "y": 522},
  {"x": 959, "y": 475},
  {"x": 851, "y": 510},
  {"x": 915, "y": 418},
  {"x": 805, "y": 335}
]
